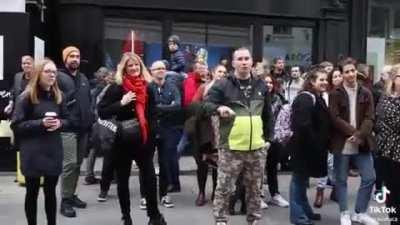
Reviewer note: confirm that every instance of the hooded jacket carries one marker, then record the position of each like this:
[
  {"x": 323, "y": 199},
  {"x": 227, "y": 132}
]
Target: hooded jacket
[{"x": 249, "y": 129}]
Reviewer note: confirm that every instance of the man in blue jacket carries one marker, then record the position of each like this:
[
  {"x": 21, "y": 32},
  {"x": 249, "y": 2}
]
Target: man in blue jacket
[{"x": 168, "y": 103}]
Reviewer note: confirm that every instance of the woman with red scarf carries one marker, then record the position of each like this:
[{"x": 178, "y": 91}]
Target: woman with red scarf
[{"x": 129, "y": 98}]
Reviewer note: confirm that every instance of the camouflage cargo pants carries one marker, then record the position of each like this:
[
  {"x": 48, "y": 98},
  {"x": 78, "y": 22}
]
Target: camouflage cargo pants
[{"x": 230, "y": 164}]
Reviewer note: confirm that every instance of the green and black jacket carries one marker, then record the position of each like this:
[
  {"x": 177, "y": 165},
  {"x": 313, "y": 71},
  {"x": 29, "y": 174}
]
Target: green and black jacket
[{"x": 247, "y": 131}]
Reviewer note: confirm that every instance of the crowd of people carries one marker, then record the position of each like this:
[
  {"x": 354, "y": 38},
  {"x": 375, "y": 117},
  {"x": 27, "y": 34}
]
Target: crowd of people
[{"x": 243, "y": 122}]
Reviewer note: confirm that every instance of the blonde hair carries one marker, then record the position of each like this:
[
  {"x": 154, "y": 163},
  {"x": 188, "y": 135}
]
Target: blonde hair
[
  {"x": 389, "y": 84},
  {"x": 144, "y": 73},
  {"x": 33, "y": 85}
]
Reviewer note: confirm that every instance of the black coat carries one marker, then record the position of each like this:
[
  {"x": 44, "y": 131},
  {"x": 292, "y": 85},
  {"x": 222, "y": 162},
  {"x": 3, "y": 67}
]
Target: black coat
[
  {"x": 110, "y": 106},
  {"x": 78, "y": 100},
  {"x": 309, "y": 144},
  {"x": 41, "y": 150}
]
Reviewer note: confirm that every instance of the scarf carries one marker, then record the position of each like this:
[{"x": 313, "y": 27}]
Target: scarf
[
  {"x": 190, "y": 86},
  {"x": 138, "y": 86}
]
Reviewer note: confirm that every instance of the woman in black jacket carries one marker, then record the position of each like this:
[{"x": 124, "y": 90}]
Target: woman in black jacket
[
  {"x": 310, "y": 123},
  {"x": 39, "y": 115},
  {"x": 128, "y": 98}
]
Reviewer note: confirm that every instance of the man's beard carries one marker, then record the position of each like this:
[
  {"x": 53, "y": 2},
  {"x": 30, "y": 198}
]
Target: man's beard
[{"x": 74, "y": 66}]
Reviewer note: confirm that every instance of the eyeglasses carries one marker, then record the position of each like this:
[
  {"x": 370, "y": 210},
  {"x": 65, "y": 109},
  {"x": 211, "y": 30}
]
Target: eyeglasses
[
  {"x": 50, "y": 71},
  {"x": 158, "y": 68},
  {"x": 348, "y": 71}
]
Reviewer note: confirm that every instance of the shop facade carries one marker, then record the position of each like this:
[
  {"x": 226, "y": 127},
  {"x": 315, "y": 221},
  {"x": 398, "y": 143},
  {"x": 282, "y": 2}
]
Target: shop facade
[{"x": 301, "y": 31}]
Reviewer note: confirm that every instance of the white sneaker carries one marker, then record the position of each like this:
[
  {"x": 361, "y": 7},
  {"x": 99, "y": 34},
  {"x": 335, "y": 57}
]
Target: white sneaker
[
  {"x": 220, "y": 223},
  {"x": 279, "y": 201},
  {"x": 363, "y": 218},
  {"x": 167, "y": 202},
  {"x": 345, "y": 218},
  {"x": 255, "y": 222},
  {"x": 264, "y": 205},
  {"x": 143, "y": 204}
]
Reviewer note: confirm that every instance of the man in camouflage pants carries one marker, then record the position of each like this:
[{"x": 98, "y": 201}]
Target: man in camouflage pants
[{"x": 243, "y": 105}]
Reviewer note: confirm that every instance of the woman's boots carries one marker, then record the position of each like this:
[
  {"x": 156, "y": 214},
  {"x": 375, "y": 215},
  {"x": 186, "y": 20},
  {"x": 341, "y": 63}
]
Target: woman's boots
[{"x": 319, "y": 198}]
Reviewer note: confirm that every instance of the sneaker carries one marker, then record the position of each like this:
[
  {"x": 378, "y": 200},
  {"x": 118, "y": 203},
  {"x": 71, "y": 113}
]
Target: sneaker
[
  {"x": 166, "y": 202},
  {"x": 345, "y": 218},
  {"x": 90, "y": 180},
  {"x": 363, "y": 218},
  {"x": 143, "y": 204},
  {"x": 77, "y": 203},
  {"x": 264, "y": 205},
  {"x": 102, "y": 196},
  {"x": 66, "y": 208},
  {"x": 254, "y": 222},
  {"x": 279, "y": 201}
]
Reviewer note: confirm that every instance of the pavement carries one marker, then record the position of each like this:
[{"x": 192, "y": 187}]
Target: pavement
[{"x": 185, "y": 212}]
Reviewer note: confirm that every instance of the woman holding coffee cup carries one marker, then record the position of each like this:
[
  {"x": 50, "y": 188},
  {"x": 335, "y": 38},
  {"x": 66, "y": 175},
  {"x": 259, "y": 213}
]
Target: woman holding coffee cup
[{"x": 39, "y": 116}]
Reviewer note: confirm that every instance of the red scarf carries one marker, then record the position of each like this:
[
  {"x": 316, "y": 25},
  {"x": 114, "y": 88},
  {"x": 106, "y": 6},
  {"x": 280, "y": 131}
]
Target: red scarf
[{"x": 138, "y": 86}]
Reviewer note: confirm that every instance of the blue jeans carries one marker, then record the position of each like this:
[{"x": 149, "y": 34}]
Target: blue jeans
[
  {"x": 300, "y": 208},
  {"x": 183, "y": 144},
  {"x": 365, "y": 166}
]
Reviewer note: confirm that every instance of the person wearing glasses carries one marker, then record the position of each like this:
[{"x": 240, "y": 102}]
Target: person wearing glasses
[
  {"x": 168, "y": 103},
  {"x": 40, "y": 115},
  {"x": 352, "y": 109}
]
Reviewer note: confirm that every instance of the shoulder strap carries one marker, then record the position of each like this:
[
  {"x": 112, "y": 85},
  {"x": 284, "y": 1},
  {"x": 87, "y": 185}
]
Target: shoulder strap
[
  {"x": 102, "y": 93},
  {"x": 311, "y": 95}
]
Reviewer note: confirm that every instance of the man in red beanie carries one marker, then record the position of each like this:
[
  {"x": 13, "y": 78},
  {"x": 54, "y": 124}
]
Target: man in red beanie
[{"x": 76, "y": 89}]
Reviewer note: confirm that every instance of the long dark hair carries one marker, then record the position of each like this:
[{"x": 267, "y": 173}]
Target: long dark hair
[{"x": 330, "y": 77}]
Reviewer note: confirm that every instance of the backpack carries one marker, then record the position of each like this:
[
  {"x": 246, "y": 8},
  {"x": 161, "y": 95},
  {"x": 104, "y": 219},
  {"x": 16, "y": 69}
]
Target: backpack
[{"x": 282, "y": 128}]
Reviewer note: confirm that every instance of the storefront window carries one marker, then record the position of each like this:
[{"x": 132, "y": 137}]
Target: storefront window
[
  {"x": 219, "y": 41},
  {"x": 118, "y": 35},
  {"x": 294, "y": 44},
  {"x": 383, "y": 43}
]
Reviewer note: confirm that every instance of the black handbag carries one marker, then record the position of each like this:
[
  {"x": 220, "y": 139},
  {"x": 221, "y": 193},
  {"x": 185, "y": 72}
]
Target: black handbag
[
  {"x": 130, "y": 132},
  {"x": 104, "y": 133}
]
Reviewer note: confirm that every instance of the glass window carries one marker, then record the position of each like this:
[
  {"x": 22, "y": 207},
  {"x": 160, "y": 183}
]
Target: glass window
[
  {"x": 218, "y": 40},
  {"x": 383, "y": 42},
  {"x": 294, "y": 44},
  {"x": 118, "y": 33}
]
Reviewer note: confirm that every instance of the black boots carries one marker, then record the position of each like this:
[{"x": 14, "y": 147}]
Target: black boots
[
  {"x": 157, "y": 221},
  {"x": 68, "y": 204},
  {"x": 66, "y": 208}
]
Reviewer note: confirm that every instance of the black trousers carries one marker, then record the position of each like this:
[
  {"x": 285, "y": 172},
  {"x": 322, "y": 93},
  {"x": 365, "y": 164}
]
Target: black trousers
[
  {"x": 50, "y": 199},
  {"x": 378, "y": 171},
  {"x": 273, "y": 159},
  {"x": 202, "y": 170},
  {"x": 107, "y": 172},
  {"x": 144, "y": 159},
  {"x": 390, "y": 171}
]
